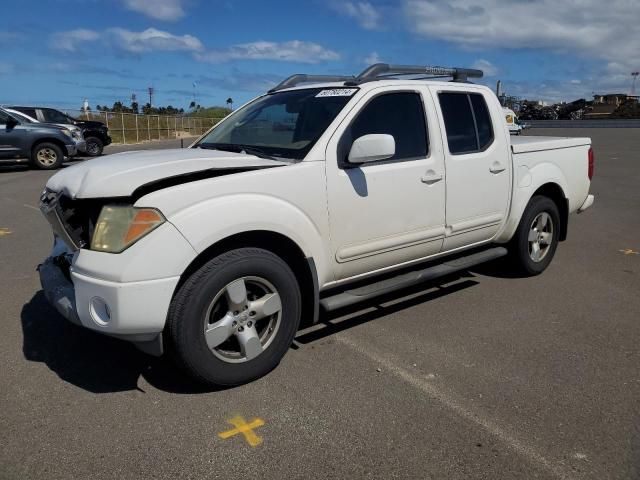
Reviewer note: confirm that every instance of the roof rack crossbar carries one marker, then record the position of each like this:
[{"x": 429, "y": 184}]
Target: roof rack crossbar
[
  {"x": 374, "y": 72},
  {"x": 299, "y": 78}
]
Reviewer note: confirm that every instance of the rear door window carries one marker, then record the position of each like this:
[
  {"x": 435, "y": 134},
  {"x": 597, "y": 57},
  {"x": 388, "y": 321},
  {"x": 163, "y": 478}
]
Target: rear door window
[
  {"x": 483, "y": 120},
  {"x": 458, "y": 122},
  {"x": 467, "y": 122}
]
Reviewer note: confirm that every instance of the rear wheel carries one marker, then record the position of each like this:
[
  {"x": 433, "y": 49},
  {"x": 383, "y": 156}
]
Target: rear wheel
[
  {"x": 47, "y": 156},
  {"x": 233, "y": 319},
  {"x": 94, "y": 146},
  {"x": 536, "y": 239}
]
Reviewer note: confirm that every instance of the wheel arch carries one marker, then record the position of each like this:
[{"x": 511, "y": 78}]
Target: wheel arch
[
  {"x": 303, "y": 267},
  {"x": 554, "y": 192},
  {"x": 55, "y": 141}
]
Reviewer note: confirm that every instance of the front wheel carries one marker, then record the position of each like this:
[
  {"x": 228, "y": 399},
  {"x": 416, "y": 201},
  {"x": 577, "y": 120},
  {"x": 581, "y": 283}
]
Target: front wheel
[
  {"x": 94, "y": 146},
  {"x": 535, "y": 242},
  {"x": 234, "y": 319},
  {"x": 47, "y": 156}
]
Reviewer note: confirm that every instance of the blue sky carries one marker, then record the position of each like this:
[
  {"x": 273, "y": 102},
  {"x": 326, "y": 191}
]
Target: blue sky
[{"x": 58, "y": 52}]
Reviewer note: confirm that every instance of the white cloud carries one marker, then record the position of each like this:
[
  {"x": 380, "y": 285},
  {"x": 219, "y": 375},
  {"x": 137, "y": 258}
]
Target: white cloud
[
  {"x": 151, "y": 39},
  {"x": 292, "y": 51},
  {"x": 364, "y": 13},
  {"x": 157, "y": 9},
  {"x": 120, "y": 39},
  {"x": 72, "y": 40},
  {"x": 489, "y": 69},
  {"x": 590, "y": 28},
  {"x": 372, "y": 58}
]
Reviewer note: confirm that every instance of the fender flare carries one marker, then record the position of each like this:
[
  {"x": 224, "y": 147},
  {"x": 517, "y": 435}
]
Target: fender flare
[{"x": 526, "y": 182}]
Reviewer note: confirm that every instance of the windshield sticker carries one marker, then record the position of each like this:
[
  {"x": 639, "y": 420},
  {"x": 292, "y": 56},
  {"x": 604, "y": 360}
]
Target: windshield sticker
[{"x": 337, "y": 92}]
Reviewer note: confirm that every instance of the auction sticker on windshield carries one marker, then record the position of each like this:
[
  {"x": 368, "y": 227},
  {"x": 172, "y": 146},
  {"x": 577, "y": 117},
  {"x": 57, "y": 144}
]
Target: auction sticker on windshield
[{"x": 337, "y": 92}]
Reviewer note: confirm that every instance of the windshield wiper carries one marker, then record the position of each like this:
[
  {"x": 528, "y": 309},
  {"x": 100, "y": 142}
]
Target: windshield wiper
[{"x": 230, "y": 147}]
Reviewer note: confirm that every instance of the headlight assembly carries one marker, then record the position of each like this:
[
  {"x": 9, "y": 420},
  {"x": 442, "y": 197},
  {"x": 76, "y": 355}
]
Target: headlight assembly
[{"x": 120, "y": 226}]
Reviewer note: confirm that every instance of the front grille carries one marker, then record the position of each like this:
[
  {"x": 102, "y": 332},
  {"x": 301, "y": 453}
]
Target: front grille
[
  {"x": 79, "y": 218},
  {"x": 71, "y": 220}
]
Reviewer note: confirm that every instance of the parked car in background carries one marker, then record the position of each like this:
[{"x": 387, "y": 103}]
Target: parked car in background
[
  {"x": 514, "y": 125},
  {"x": 75, "y": 131},
  {"x": 42, "y": 145},
  {"x": 218, "y": 252},
  {"x": 96, "y": 134}
]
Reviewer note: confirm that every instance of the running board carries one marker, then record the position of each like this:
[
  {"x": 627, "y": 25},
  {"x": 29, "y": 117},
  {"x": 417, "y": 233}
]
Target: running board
[{"x": 404, "y": 280}]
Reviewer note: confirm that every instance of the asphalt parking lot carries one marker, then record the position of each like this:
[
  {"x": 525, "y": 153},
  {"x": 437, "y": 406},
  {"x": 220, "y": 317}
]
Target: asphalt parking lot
[{"x": 484, "y": 376}]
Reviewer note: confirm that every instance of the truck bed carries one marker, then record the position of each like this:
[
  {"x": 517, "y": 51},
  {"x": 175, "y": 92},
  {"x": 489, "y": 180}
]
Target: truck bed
[{"x": 537, "y": 144}]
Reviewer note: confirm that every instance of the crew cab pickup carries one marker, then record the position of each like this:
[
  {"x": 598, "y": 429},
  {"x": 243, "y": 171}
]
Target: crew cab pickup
[{"x": 322, "y": 193}]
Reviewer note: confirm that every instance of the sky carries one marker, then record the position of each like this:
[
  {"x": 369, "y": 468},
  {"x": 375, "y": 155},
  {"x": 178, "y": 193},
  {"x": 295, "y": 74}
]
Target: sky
[{"x": 59, "y": 52}]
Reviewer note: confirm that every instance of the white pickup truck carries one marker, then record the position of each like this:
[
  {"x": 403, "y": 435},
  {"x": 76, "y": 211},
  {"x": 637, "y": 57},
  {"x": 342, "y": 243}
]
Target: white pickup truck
[{"x": 324, "y": 192}]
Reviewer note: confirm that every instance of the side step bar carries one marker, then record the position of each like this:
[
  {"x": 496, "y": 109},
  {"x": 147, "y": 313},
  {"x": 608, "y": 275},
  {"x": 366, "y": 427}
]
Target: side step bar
[{"x": 404, "y": 280}]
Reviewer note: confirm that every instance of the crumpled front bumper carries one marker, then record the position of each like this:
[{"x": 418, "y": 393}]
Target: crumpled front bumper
[
  {"x": 131, "y": 311},
  {"x": 58, "y": 289}
]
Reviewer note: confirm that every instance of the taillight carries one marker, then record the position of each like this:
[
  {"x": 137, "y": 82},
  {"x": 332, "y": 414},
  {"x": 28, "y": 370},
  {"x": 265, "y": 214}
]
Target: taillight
[{"x": 591, "y": 162}]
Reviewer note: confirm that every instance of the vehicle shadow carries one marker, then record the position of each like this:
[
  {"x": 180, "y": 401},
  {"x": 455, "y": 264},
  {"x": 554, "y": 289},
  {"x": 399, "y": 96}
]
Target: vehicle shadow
[
  {"x": 337, "y": 321},
  {"x": 93, "y": 362},
  {"x": 101, "y": 364}
]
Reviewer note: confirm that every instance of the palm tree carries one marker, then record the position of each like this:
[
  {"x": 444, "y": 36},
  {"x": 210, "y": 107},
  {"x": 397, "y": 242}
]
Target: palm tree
[{"x": 230, "y": 103}]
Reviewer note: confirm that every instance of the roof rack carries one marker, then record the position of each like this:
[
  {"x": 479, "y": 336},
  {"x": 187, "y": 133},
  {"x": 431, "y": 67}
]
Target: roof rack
[
  {"x": 299, "y": 78},
  {"x": 382, "y": 71}
]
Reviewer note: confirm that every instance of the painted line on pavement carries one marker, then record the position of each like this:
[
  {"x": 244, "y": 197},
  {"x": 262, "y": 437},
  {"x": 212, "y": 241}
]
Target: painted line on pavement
[{"x": 457, "y": 407}]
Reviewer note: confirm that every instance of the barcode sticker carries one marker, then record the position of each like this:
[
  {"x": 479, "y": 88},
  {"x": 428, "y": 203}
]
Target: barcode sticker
[{"x": 337, "y": 92}]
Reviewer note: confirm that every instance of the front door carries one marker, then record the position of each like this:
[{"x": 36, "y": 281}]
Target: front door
[
  {"x": 388, "y": 212},
  {"x": 11, "y": 138},
  {"x": 478, "y": 164}
]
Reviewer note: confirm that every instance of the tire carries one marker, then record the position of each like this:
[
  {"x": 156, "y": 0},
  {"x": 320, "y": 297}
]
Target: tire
[
  {"x": 94, "y": 146},
  {"x": 47, "y": 156},
  {"x": 210, "y": 318},
  {"x": 526, "y": 258}
]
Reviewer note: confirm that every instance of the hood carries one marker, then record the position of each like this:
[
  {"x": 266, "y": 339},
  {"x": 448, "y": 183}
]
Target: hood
[
  {"x": 121, "y": 174},
  {"x": 89, "y": 124}
]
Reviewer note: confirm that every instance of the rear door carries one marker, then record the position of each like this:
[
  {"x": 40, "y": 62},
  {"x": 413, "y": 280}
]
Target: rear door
[
  {"x": 478, "y": 164},
  {"x": 392, "y": 211}
]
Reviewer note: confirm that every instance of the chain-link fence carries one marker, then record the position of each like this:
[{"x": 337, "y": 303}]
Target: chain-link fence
[{"x": 134, "y": 128}]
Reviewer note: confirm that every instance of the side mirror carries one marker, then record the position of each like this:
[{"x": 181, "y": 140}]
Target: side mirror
[
  {"x": 372, "y": 148},
  {"x": 11, "y": 123}
]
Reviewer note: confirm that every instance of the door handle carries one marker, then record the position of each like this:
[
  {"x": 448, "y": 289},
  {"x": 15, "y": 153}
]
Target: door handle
[
  {"x": 431, "y": 177},
  {"x": 497, "y": 167}
]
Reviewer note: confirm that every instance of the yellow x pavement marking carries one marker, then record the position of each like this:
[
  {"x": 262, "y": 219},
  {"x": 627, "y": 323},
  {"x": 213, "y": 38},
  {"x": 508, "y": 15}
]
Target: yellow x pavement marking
[
  {"x": 246, "y": 429},
  {"x": 628, "y": 251},
  {"x": 4, "y": 231}
]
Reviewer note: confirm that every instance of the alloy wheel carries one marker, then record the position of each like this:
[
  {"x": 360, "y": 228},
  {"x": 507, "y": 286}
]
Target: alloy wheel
[{"x": 243, "y": 319}]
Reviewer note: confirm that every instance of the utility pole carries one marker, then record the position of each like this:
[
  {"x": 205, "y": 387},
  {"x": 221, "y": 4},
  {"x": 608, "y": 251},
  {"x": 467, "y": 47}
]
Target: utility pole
[
  {"x": 151, "y": 96},
  {"x": 633, "y": 83}
]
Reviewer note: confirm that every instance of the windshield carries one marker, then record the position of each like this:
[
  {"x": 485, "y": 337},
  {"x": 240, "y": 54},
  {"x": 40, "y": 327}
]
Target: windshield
[
  {"x": 21, "y": 116},
  {"x": 284, "y": 124}
]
